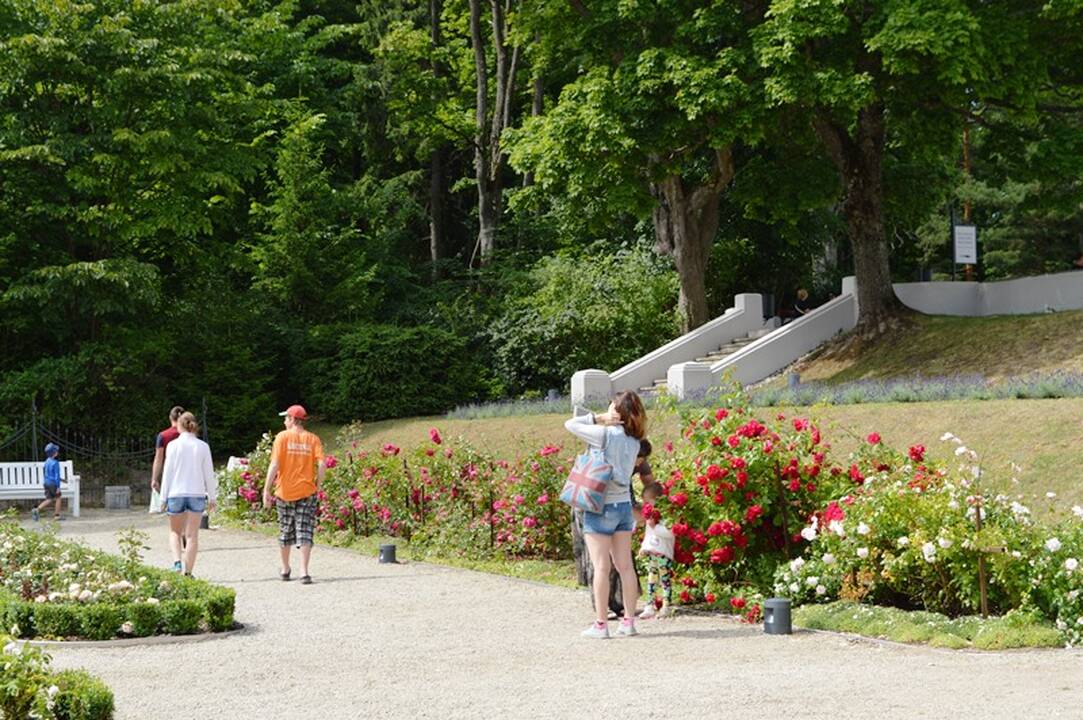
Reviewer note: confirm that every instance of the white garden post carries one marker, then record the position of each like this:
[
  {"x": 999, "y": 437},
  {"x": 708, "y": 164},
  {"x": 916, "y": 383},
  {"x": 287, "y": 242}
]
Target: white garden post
[
  {"x": 591, "y": 386},
  {"x": 688, "y": 380}
]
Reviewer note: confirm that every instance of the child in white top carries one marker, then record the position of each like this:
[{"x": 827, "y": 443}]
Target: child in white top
[{"x": 657, "y": 547}]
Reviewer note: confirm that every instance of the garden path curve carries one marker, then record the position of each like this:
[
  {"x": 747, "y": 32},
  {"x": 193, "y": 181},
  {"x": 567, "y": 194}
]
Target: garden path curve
[{"x": 420, "y": 641}]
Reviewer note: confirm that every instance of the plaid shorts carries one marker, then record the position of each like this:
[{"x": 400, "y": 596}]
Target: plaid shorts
[{"x": 296, "y": 521}]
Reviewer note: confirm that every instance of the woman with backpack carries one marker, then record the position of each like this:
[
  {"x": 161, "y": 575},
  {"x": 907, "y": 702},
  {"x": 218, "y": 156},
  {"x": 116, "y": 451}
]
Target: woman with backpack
[{"x": 608, "y": 533}]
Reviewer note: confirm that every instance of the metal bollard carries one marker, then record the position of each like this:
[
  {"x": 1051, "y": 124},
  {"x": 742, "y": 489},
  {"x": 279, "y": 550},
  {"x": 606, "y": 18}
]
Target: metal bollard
[
  {"x": 387, "y": 554},
  {"x": 776, "y": 617}
]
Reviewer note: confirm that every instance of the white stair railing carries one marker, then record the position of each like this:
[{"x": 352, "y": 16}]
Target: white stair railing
[
  {"x": 744, "y": 317},
  {"x": 772, "y": 352}
]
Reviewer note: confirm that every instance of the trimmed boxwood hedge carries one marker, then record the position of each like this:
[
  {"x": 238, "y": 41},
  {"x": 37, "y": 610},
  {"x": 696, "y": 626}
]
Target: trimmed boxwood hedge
[
  {"x": 120, "y": 595},
  {"x": 27, "y": 682},
  {"x": 82, "y": 697},
  {"x": 199, "y": 609}
]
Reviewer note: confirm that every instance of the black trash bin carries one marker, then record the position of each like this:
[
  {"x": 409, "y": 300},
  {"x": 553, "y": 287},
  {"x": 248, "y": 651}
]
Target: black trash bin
[
  {"x": 387, "y": 554},
  {"x": 776, "y": 617}
]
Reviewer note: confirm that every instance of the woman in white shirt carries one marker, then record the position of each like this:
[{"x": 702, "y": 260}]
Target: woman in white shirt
[
  {"x": 188, "y": 488},
  {"x": 608, "y": 534}
]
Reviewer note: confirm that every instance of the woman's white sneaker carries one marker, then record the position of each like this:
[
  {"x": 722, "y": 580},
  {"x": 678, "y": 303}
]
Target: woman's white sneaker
[
  {"x": 597, "y": 631},
  {"x": 648, "y": 612},
  {"x": 627, "y": 628}
]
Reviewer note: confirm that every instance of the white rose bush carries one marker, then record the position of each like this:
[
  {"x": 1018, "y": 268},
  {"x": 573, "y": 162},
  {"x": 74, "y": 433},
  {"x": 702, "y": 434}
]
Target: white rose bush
[{"x": 907, "y": 536}]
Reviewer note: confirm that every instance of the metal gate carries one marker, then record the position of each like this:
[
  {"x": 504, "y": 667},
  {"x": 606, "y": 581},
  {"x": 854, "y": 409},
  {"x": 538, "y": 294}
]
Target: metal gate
[{"x": 99, "y": 460}]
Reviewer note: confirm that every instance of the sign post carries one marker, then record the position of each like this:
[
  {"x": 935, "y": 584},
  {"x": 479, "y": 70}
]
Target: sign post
[{"x": 965, "y": 244}]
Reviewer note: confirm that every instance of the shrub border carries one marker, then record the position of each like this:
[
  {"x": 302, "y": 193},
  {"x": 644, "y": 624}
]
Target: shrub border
[{"x": 215, "y": 605}]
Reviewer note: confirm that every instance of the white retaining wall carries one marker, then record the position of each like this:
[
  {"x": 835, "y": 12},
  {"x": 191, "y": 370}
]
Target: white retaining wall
[
  {"x": 1022, "y": 296},
  {"x": 776, "y": 350}
]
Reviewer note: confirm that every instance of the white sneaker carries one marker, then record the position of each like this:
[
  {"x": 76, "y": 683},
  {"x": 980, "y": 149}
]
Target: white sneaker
[
  {"x": 648, "y": 612},
  {"x": 627, "y": 628},
  {"x": 597, "y": 633},
  {"x": 665, "y": 612}
]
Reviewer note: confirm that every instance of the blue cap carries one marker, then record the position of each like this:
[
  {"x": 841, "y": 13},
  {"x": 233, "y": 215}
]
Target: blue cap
[{"x": 51, "y": 449}]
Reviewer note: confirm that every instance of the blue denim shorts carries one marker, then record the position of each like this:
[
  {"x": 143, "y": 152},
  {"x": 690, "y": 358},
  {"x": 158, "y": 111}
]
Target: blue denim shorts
[
  {"x": 186, "y": 503},
  {"x": 614, "y": 518}
]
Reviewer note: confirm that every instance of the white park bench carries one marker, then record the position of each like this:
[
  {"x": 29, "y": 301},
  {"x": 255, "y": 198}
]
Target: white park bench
[{"x": 23, "y": 481}]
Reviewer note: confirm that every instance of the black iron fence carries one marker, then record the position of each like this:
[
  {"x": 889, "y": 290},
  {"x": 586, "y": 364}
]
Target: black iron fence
[{"x": 99, "y": 460}]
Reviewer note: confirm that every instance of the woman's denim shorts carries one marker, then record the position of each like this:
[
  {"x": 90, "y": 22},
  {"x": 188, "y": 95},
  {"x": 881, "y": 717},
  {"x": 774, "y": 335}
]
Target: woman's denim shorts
[
  {"x": 614, "y": 518},
  {"x": 185, "y": 503}
]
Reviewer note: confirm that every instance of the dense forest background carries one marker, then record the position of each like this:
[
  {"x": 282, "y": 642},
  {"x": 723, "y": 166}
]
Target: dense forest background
[{"x": 384, "y": 208}]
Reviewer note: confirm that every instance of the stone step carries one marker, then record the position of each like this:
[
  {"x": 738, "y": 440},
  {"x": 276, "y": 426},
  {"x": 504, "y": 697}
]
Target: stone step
[{"x": 711, "y": 358}]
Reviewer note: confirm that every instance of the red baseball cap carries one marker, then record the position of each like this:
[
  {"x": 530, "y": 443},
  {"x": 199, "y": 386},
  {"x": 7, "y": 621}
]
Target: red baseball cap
[{"x": 296, "y": 412}]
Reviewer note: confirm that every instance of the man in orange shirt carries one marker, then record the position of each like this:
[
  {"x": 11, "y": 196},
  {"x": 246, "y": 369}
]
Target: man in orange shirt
[{"x": 297, "y": 466}]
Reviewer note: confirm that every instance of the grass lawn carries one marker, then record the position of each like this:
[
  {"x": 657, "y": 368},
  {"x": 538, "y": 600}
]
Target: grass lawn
[
  {"x": 1043, "y": 437},
  {"x": 995, "y": 347},
  {"x": 994, "y": 633}
]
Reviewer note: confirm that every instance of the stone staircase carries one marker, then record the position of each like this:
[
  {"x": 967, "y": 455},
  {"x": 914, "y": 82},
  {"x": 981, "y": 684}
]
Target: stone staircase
[{"x": 710, "y": 358}]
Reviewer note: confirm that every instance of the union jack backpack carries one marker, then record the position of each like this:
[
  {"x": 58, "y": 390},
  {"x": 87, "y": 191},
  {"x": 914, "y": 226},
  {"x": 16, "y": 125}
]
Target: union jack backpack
[{"x": 585, "y": 487}]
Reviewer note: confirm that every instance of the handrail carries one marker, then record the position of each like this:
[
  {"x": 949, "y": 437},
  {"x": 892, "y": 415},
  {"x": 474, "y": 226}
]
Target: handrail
[
  {"x": 772, "y": 353},
  {"x": 745, "y": 316}
]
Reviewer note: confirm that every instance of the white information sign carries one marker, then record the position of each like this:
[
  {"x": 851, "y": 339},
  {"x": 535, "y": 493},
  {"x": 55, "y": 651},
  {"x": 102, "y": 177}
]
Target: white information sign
[{"x": 966, "y": 244}]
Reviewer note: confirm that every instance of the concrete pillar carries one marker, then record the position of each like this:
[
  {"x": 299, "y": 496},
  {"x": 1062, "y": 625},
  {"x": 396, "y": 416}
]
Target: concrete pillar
[
  {"x": 849, "y": 287},
  {"x": 751, "y": 303},
  {"x": 591, "y": 386},
  {"x": 689, "y": 380}
]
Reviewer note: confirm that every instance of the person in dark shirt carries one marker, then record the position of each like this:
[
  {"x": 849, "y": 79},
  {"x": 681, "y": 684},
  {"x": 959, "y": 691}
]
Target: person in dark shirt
[
  {"x": 171, "y": 433},
  {"x": 802, "y": 306},
  {"x": 161, "y": 440}
]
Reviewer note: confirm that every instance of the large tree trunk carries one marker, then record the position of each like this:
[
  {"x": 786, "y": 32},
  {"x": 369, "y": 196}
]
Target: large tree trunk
[
  {"x": 437, "y": 215},
  {"x": 437, "y": 176},
  {"x": 685, "y": 223},
  {"x": 859, "y": 159},
  {"x": 535, "y": 110},
  {"x": 487, "y": 216},
  {"x": 488, "y": 156}
]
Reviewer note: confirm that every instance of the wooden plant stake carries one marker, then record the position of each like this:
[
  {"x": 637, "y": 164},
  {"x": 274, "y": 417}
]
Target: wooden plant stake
[{"x": 982, "y": 582}]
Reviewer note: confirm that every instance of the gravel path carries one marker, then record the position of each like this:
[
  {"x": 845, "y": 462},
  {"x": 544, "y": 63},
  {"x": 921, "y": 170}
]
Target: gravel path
[{"x": 418, "y": 641}]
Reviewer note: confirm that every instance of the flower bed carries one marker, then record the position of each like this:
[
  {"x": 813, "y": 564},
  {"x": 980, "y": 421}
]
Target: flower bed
[
  {"x": 57, "y": 589},
  {"x": 445, "y": 498},
  {"x": 758, "y": 506},
  {"x": 31, "y": 690},
  {"x": 917, "y": 536}
]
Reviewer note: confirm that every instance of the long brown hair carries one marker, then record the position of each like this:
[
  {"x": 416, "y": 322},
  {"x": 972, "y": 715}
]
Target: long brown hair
[
  {"x": 188, "y": 423},
  {"x": 632, "y": 413}
]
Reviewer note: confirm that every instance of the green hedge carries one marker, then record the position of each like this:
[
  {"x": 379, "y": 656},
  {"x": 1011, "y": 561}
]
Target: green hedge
[
  {"x": 29, "y": 688},
  {"x": 82, "y": 697},
  {"x": 120, "y": 597},
  {"x": 209, "y": 609},
  {"x": 372, "y": 372}
]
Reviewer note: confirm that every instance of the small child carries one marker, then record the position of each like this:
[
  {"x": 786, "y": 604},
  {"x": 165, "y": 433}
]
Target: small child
[
  {"x": 51, "y": 481},
  {"x": 658, "y": 548}
]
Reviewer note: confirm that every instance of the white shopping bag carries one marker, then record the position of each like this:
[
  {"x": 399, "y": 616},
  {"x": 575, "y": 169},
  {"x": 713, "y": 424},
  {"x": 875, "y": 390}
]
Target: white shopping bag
[{"x": 155, "y": 502}]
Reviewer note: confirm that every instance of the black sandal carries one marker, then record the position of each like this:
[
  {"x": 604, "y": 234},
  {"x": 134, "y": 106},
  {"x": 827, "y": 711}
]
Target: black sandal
[
  {"x": 306, "y": 580},
  {"x": 285, "y": 576}
]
